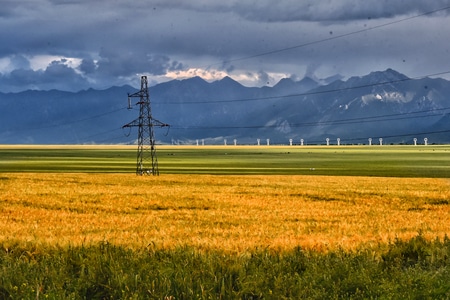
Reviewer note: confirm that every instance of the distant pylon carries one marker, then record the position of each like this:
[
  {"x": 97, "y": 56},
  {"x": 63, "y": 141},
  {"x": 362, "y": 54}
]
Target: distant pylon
[{"x": 147, "y": 162}]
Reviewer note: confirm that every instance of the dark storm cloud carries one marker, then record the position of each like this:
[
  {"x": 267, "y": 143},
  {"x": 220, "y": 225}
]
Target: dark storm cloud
[
  {"x": 113, "y": 41},
  {"x": 56, "y": 76},
  {"x": 338, "y": 10},
  {"x": 128, "y": 63},
  {"x": 88, "y": 66},
  {"x": 312, "y": 10},
  {"x": 280, "y": 28}
]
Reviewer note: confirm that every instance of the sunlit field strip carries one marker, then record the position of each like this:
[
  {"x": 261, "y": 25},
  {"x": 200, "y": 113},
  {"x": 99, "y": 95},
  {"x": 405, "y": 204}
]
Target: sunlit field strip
[
  {"x": 231, "y": 213},
  {"x": 392, "y": 161},
  {"x": 74, "y": 146}
]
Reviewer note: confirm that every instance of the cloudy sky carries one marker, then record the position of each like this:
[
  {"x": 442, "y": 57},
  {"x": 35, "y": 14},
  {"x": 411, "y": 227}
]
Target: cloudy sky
[{"x": 77, "y": 44}]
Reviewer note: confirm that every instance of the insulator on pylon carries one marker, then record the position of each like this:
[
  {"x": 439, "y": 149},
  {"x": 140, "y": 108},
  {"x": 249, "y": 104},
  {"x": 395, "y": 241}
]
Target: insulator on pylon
[{"x": 129, "y": 102}]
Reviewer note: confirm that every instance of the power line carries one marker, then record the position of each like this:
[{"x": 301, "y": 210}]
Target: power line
[
  {"x": 331, "y": 38},
  {"x": 335, "y": 122},
  {"x": 309, "y": 93},
  {"x": 380, "y": 118},
  {"x": 116, "y": 138},
  {"x": 410, "y": 134},
  {"x": 368, "y": 119},
  {"x": 282, "y": 50},
  {"x": 313, "y": 92},
  {"x": 71, "y": 122},
  {"x": 100, "y": 133},
  {"x": 96, "y": 116}
]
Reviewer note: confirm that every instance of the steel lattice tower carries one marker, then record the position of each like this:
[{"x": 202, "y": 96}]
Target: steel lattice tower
[{"x": 147, "y": 162}]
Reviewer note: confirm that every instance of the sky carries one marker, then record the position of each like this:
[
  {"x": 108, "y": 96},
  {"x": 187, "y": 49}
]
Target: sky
[{"x": 79, "y": 44}]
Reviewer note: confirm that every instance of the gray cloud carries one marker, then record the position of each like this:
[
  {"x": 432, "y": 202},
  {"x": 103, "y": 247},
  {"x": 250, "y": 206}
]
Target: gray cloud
[
  {"x": 120, "y": 64},
  {"x": 87, "y": 66},
  {"x": 19, "y": 62},
  {"x": 263, "y": 78},
  {"x": 311, "y": 10},
  {"x": 56, "y": 76},
  {"x": 116, "y": 40}
]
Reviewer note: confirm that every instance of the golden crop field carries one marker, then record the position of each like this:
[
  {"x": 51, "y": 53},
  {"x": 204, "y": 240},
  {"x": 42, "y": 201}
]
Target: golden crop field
[{"x": 231, "y": 213}]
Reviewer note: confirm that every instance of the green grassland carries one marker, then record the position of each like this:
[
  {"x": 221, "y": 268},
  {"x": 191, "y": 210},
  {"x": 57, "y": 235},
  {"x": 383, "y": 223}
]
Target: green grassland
[
  {"x": 415, "y": 269},
  {"x": 386, "y": 161}
]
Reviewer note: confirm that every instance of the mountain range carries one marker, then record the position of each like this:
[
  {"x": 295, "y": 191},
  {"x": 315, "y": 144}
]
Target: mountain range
[{"x": 383, "y": 104}]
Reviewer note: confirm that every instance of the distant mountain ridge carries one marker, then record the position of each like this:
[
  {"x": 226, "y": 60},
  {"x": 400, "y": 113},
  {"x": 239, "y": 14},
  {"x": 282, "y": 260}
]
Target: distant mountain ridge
[{"x": 383, "y": 104}]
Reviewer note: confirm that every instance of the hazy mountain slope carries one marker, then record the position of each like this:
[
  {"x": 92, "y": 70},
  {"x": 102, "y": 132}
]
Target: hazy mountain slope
[{"x": 381, "y": 104}]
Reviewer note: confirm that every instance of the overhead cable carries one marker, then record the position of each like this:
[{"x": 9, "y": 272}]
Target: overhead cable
[{"x": 333, "y": 37}]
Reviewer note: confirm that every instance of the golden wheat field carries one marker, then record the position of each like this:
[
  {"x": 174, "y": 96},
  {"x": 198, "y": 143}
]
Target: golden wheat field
[{"x": 231, "y": 213}]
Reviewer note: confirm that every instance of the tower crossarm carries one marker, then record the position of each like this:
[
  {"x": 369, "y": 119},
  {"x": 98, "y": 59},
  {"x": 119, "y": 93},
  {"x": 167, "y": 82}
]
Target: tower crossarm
[
  {"x": 153, "y": 122},
  {"x": 140, "y": 93},
  {"x": 134, "y": 123},
  {"x": 158, "y": 123}
]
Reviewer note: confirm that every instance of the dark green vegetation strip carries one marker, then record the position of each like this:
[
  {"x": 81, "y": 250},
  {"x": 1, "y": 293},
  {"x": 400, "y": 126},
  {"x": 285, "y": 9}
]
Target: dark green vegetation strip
[
  {"x": 67, "y": 160},
  {"x": 385, "y": 161},
  {"x": 415, "y": 269}
]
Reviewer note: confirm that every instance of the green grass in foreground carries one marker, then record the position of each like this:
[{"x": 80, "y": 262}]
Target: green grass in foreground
[
  {"x": 385, "y": 161},
  {"x": 415, "y": 269}
]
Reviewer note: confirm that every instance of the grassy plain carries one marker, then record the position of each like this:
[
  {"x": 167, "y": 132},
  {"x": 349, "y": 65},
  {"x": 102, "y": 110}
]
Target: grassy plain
[
  {"x": 232, "y": 213},
  {"x": 79, "y": 194},
  {"x": 382, "y": 161},
  {"x": 225, "y": 223}
]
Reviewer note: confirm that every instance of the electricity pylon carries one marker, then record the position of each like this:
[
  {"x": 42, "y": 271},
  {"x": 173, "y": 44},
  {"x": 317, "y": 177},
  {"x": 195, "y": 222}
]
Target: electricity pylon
[{"x": 147, "y": 163}]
